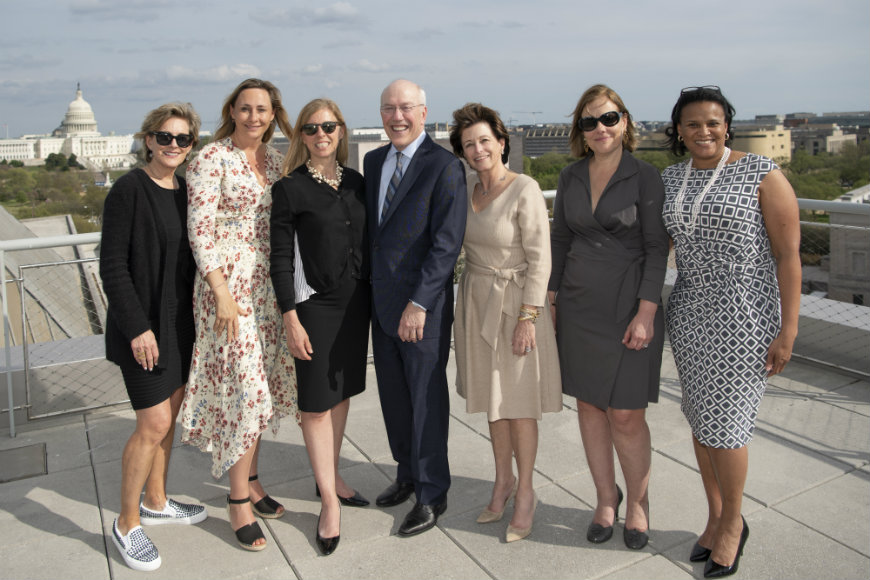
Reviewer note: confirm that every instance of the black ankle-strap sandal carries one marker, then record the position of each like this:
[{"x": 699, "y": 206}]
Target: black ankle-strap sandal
[{"x": 249, "y": 533}]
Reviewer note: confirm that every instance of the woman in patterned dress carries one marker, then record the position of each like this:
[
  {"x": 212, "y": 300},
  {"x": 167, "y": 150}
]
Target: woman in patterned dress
[
  {"x": 506, "y": 360},
  {"x": 609, "y": 261},
  {"x": 733, "y": 314},
  {"x": 242, "y": 377}
]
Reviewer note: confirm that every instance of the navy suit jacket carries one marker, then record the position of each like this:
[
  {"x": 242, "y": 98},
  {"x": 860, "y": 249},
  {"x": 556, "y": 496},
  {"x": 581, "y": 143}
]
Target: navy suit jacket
[{"x": 414, "y": 249}]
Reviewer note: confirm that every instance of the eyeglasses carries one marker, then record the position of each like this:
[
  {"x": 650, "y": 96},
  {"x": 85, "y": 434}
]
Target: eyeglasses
[
  {"x": 391, "y": 109},
  {"x": 183, "y": 140},
  {"x": 608, "y": 119},
  {"x": 713, "y": 88},
  {"x": 328, "y": 127}
]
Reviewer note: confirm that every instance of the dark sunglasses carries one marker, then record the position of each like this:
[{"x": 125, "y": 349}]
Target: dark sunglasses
[
  {"x": 328, "y": 127},
  {"x": 713, "y": 88},
  {"x": 607, "y": 119},
  {"x": 163, "y": 138}
]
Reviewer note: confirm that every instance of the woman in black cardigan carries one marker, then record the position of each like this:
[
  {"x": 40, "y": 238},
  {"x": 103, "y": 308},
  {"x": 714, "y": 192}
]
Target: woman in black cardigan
[
  {"x": 147, "y": 271},
  {"x": 320, "y": 274}
]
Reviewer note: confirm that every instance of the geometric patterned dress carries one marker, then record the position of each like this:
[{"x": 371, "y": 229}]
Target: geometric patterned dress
[{"x": 724, "y": 310}]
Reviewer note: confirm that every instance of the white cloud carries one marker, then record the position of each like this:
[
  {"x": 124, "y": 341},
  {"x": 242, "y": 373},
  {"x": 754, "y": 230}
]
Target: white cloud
[
  {"x": 342, "y": 13},
  {"x": 133, "y": 10},
  {"x": 312, "y": 69},
  {"x": 212, "y": 75},
  {"x": 369, "y": 66}
]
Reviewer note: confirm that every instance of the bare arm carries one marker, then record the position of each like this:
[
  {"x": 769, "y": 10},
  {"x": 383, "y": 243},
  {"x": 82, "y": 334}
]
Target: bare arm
[{"x": 781, "y": 217}]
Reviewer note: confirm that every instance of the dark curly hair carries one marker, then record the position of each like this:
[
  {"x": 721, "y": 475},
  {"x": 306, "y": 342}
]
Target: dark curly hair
[
  {"x": 696, "y": 95},
  {"x": 472, "y": 114}
]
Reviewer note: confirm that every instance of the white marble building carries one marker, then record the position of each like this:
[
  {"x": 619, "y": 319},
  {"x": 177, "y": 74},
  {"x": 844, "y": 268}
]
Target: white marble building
[{"x": 77, "y": 134}]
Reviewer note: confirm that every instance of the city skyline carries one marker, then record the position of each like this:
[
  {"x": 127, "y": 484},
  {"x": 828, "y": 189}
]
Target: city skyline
[{"x": 773, "y": 57}]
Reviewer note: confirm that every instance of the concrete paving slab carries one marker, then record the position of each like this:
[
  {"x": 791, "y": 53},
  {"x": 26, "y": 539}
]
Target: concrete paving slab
[
  {"x": 108, "y": 433},
  {"x": 56, "y": 504},
  {"x": 78, "y": 554},
  {"x": 827, "y": 507},
  {"x": 778, "y": 469},
  {"x": 429, "y": 555},
  {"x": 556, "y": 548},
  {"x": 779, "y": 547},
  {"x": 808, "y": 380},
  {"x": 66, "y": 446},
  {"x": 653, "y": 568},
  {"x": 830, "y": 430},
  {"x": 854, "y": 397},
  {"x": 666, "y": 421}
]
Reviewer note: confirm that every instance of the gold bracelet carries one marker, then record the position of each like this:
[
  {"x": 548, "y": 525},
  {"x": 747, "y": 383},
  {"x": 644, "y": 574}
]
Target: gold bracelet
[{"x": 534, "y": 319}]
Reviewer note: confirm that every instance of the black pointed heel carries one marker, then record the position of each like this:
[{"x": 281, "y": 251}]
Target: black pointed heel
[
  {"x": 326, "y": 545},
  {"x": 713, "y": 569}
]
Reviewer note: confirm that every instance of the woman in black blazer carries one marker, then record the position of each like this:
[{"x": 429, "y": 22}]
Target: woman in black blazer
[
  {"x": 320, "y": 274},
  {"x": 147, "y": 271}
]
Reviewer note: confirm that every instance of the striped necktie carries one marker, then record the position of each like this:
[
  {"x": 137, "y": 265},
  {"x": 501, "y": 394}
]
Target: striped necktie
[{"x": 394, "y": 184}]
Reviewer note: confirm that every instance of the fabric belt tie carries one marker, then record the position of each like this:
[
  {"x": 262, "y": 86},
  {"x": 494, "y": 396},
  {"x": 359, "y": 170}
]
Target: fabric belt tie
[{"x": 495, "y": 304}]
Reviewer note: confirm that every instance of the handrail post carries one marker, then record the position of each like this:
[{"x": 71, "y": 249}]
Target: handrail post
[{"x": 7, "y": 340}]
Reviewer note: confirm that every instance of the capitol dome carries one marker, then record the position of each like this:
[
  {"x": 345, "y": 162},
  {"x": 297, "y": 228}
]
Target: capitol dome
[{"x": 79, "y": 119}]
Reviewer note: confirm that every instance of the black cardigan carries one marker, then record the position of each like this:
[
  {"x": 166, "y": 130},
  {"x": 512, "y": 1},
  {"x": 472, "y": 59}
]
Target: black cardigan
[
  {"x": 331, "y": 225},
  {"x": 138, "y": 257}
]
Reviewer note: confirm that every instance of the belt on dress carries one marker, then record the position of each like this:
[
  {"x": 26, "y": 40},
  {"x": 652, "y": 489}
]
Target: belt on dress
[{"x": 495, "y": 303}]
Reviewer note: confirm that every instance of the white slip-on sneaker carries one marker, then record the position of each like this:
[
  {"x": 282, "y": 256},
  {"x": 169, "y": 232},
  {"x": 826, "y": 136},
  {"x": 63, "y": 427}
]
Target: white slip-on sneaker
[
  {"x": 173, "y": 512},
  {"x": 137, "y": 549}
]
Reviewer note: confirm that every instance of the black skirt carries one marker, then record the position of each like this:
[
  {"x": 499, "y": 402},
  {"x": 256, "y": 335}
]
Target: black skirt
[{"x": 337, "y": 323}]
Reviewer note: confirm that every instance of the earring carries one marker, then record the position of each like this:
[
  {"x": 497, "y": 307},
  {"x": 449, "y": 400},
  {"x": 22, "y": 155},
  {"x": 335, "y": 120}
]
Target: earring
[
  {"x": 679, "y": 138},
  {"x": 727, "y": 136},
  {"x": 585, "y": 147}
]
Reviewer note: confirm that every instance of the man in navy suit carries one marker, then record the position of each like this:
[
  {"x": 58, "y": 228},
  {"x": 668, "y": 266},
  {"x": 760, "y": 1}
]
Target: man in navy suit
[{"x": 416, "y": 203}]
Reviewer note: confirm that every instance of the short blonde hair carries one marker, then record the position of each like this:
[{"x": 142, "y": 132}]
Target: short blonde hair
[{"x": 156, "y": 118}]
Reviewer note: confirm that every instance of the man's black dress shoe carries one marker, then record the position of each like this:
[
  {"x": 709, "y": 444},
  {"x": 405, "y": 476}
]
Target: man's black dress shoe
[
  {"x": 713, "y": 569},
  {"x": 421, "y": 518},
  {"x": 699, "y": 553},
  {"x": 397, "y": 493},
  {"x": 356, "y": 500}
]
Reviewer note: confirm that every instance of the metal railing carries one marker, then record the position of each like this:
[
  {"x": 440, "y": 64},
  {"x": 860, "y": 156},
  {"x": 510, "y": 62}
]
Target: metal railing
[{"x": 54, "y": 346}]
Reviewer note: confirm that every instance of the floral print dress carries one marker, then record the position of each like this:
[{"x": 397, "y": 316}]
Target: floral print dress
[{"x": 235, "y": 389}]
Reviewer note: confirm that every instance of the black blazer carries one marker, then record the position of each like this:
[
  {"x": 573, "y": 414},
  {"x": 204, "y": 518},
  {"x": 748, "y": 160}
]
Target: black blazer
[
  {"x": 415, "y": 248},
  {"x": 331, "y": 227},
  {"x": 138, "y": 259}
]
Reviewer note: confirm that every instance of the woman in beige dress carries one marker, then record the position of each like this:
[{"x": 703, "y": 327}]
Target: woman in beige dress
[{"x": 506, "y": 358}]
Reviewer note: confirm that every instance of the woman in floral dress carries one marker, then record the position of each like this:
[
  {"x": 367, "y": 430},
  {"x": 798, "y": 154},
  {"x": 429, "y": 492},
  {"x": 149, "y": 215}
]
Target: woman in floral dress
[{"x": 242, "y": 377}]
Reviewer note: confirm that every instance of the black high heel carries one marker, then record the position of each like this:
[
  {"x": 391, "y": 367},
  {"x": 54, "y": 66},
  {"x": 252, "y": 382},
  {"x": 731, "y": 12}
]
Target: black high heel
[
  {"x": 356, "y": 500},
  {"x": 713, "y": 569},
  {"x": 699, "y": 553},
  {"x": 598, "y": 534},
  {"x": 326, "y": 545}
]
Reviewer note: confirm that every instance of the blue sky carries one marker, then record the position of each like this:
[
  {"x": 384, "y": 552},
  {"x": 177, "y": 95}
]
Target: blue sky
[{"x": 769, "y": 56}]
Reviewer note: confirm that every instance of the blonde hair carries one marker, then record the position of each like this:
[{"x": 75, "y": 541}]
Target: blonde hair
[
  {"x": 155, "y": 119},
  {"x": 298, "y": 153},
  {"x": 227, "y": 126}
]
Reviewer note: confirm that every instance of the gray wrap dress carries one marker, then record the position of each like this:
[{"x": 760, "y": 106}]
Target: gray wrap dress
[{"x": 603, "y": 263}]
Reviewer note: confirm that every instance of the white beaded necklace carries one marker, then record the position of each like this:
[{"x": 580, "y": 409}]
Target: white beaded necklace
[
  {"x": 696, "y": 205},
  {"x": 317, "y": 176}
]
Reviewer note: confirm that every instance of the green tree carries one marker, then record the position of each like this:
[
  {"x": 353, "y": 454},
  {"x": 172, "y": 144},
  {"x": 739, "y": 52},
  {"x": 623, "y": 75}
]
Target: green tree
[{"x": 56, "y": 161}]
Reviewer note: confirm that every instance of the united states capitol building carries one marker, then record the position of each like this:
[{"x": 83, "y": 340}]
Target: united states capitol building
[{"x": 77, "y": 134}]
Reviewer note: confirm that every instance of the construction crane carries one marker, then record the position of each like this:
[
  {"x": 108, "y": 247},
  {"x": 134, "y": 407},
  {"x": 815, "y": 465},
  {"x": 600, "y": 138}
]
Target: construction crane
[{"x": 532, "y": 113}]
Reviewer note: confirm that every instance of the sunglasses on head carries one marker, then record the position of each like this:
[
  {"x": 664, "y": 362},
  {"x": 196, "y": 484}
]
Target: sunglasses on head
[
  {"x": 164, "y": 138},
  {"x": 328, "y": 127},
  {"x": 713, "y": 88},
  {"x": 607, "y": 119}
]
